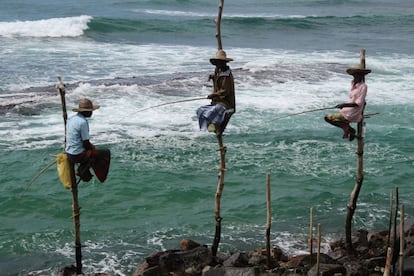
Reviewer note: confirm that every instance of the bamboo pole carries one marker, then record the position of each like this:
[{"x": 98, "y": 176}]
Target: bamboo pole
[
  {"x": 319, "y": 250},
  {"x": 75, "y": 205},
  {"x": 357, "y": 188},
  {"x": 394, "y": 231},
  {"x": 269, "y": 220},
  {"x": 390, "y": 221},
  {"x": 311, "y": 237},
  {"x": 388, "y": 262},
  {"x": 218, "y": 23},
  {"x": 61, "y": 88},
  {"x": 402, "y": 241},
  {"x": 222, "y": 149},
  {"x": 219, "y": 192}
]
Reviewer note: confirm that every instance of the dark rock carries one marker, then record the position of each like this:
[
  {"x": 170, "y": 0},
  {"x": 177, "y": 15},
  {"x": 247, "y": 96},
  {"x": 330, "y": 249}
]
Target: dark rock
[
  {"x": 374, "y": 263},
  {"x": 239, "y": 259},
  {"x": 187, "y": 244},
  {"x": 306, "y": 260},
  {"x": 152, "y": 271},
  {"x": 327, "y": 270},
  {"x": 192, "y": 261},
  {"x": 233, "y": 271},
  {"x": 154, "y": 259}
]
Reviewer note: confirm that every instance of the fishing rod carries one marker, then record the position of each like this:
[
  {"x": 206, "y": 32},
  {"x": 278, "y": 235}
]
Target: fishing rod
[
  {"x": 169, "y": 103},
  {"x": 306, "y": 111},
  {"x": 37, "y": 176},
  {"x": 319, "y": 109}
]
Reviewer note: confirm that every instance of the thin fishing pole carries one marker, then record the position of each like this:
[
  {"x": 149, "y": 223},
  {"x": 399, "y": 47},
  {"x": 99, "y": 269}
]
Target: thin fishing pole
[
  {"x": 37, "y": 175},
  {"x": 307, "y": 111},
  {"x": 169, "y": 103}
]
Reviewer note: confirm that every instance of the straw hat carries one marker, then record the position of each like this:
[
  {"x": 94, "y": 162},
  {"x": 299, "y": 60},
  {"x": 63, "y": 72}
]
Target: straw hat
[
  {"x": 220, "y": 55},
  {"x": 358, "y": 69},
  {"x": 86, "y": 105}
]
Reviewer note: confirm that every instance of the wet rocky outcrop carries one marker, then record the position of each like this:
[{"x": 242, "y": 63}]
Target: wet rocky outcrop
[{"x": 367, "y": 257}]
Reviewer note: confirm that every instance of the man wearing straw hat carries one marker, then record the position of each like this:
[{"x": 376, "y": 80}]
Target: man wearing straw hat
[
  {"x": 223, "y": 102},
  {"x": 352, "y": 110},
  {"x": 78, "y": 147}
]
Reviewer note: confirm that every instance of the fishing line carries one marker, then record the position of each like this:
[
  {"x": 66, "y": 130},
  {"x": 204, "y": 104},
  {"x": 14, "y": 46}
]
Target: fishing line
[
  {"x": 319, "y": 109},
  {"x": 307, "y": 111},
  {"x": 164, "y": 104},
  {"x": 37, "y": 175},
  {"x": 169, "y": 103}
]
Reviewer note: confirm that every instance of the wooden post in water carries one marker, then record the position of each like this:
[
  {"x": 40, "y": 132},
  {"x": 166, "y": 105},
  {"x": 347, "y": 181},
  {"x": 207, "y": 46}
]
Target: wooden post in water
[
  {"x": 402, "y": 241},
  {"x": 268, "y": 221},
  {"x": 394, "y": 230},
  {"x": 390, "y": 222},
  {"x": 318, "y": 256},
  {"x": 222, "y": 149},
  {"x": 357, "y": 188},
  {"x": 387, "y": 267},
  {"x": 75, "y": 205},
  {"x": 219, "y": 192},
  {"x": 311, "y": 237}
]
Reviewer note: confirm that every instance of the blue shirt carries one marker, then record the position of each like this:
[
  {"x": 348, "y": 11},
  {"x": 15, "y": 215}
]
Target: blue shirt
[{"x": 77, "y": 131}]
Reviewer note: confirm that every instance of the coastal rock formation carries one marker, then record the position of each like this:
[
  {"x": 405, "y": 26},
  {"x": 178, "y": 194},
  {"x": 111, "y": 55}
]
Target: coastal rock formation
[{"x": 368, "y": 257}]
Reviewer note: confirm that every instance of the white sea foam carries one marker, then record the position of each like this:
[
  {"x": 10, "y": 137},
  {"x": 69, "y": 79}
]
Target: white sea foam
[
  {"x": 53, "y": 27},
  {"x": 180, "y": 13},
  {"x": 268, "y": 81}
]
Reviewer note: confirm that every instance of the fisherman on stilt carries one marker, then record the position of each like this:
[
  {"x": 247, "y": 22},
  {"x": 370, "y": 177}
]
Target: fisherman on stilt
[
  {"x": 351, "y": 111},
  {"x": 215, "y": 116},
  {"x": 80, "y": 150}
]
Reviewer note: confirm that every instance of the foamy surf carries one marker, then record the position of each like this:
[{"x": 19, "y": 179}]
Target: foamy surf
[{"x": 53, "y": 27}]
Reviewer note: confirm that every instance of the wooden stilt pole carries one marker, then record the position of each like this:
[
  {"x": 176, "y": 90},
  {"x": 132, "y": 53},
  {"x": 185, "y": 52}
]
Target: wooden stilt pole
[
  {"x": 390, "y": 221},
  {"x": 402, "y": 241},
  {"x": 268, "y": 221},
  {"x": 222, "y": 149},
  {"x": 75, "y": 205},
  {"x": 311, "y": 237},
  {"x": 357, "y": 188},
  {"x": 387, "y": 267},
  {"x": 394, "y": 230},
  {"x": 319, "y": 250},
  {"x": 219, "y": 192}
]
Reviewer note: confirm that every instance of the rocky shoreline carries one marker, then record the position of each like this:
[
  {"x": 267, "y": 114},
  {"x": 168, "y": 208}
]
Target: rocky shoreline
[{"x": 368, "y": 257}]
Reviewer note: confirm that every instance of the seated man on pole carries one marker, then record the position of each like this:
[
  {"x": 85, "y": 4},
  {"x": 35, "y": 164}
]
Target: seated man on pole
[
  {"x": 351, "y": 111},
  {"x": 215, "y": 116},
  {"x": 78, "y": 147}
]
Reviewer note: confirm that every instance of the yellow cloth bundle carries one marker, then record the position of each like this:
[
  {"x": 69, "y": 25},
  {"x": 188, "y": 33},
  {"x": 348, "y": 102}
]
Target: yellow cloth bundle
[{"x": 63, "y": 168}]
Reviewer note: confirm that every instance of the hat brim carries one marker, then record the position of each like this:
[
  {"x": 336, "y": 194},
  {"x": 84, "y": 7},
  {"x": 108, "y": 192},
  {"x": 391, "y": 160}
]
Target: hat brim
[
  {"x": 353, "y": 71},
  {"x": 95, "y": 107},
  {"x": 214, "y": 60}
]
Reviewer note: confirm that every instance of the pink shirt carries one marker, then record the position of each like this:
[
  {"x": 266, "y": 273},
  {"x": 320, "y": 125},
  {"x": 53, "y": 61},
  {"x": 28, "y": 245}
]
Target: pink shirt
[{"x": 356, "y": 95}]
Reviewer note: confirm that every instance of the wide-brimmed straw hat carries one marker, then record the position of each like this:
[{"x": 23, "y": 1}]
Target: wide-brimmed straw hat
[
  {"x": 220, "y": 55},
  {"x": 358, "y": 69},
  {"x": 86, "y": 105}
]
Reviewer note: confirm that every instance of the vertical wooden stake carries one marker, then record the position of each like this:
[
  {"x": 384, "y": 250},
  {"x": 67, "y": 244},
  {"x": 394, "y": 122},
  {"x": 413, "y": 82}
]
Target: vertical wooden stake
[
  {"x": 219, "y": 191},
  {"x": 75, "y": 205},
  {"x": 388, "y": 262},
  {"x": 319, "y": 250},
  {"x": 394, "y": 231},
  {"x": 357, "y": 188},
  {"x": 390, "y": 221},
  {"x": 222, "y": 150},
  {"x": 269, "y": 220},
  {"x": 311, "y": 236},
  {"x": 218, "y": 23},
  {"x": 61, "y": 88},
  {"x": 402, "y": 241}
]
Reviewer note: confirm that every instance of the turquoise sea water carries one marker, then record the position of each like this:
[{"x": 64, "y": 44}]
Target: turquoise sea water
[{"x": 128, "y": 55}]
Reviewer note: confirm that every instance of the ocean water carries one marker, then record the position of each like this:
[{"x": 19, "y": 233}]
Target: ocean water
[{"x": 289, "y": 57}]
